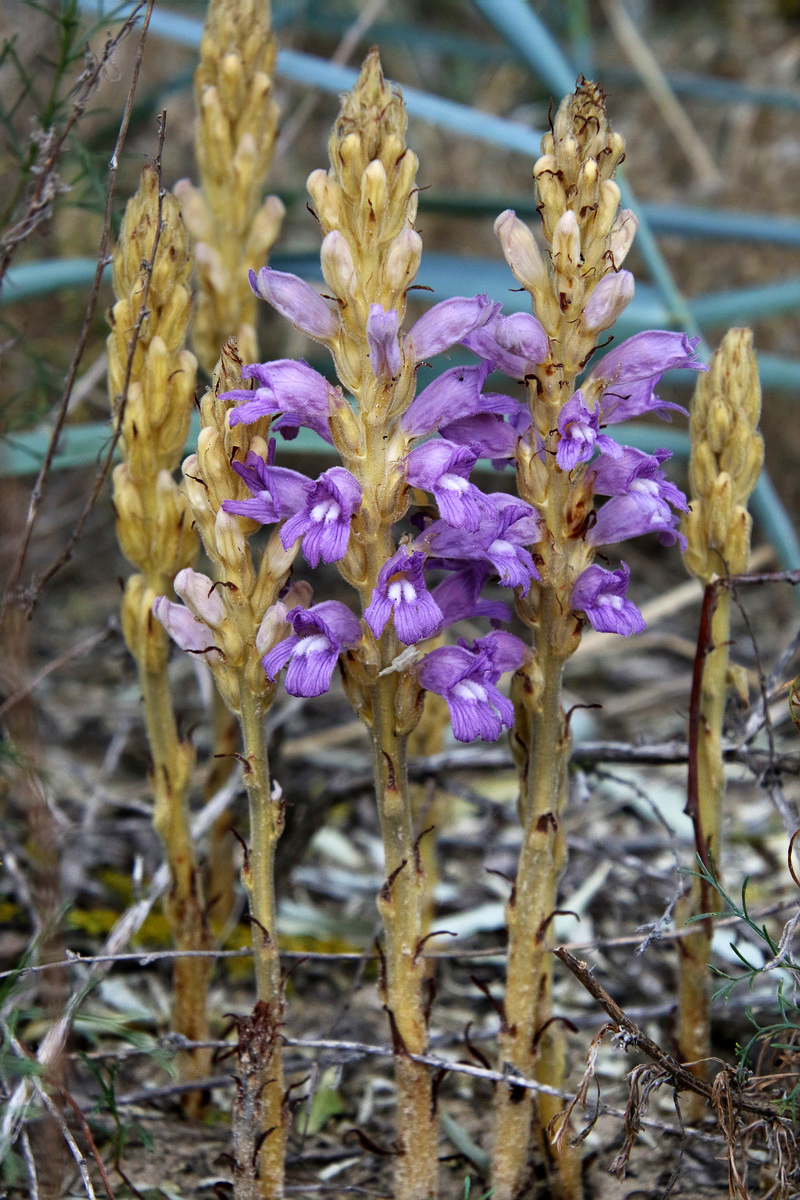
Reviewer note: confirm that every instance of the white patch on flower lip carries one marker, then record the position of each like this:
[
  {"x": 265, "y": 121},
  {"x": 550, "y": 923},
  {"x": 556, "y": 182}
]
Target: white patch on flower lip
[
  {"x": 316, "y": 644},
  {"x": 401, "y": 591},
  {"x": 501, "y": 548},
  {"x": 326, "y": 512},
  {"x": 453, "y": 483},
  {"x": 470, "y": 690},
  {"x": 611, "y": 601}
]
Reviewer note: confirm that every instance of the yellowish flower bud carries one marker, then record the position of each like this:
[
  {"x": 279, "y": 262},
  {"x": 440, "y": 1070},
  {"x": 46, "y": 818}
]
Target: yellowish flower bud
[
  {"x": 521, "y": 251},
  {"x": 337, "y": 264}
]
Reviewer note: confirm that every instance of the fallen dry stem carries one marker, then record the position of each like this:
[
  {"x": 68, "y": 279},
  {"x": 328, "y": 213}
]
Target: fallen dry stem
[{"x": 679, "y": 1075}]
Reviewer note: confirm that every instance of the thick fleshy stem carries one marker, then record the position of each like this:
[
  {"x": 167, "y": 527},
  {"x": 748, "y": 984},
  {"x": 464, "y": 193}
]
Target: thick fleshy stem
[
  {"x": 400, "y": 905},
  {"x": 531, "y": 1041},
  {"x": 727, "y": 453},
  {"x": 151, "y": 386},
  {"x": 258, "y": 874},
  {"x": 706, "y": 793}
]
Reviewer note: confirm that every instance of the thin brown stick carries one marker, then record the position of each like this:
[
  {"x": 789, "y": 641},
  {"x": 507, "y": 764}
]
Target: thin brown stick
[
  {"x": 89, "y": 643},
  {"x": 680, "y": 1075},
  {"x": 63, "y": 405},
  {"x": 87, "y": 1133},
  {"x": 41, "y": 198}
]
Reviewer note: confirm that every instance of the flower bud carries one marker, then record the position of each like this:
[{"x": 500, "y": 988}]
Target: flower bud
[
  {"x": 200, "y": 595},
  {"x": 611, "y": 297},
  {"x": 374, "y": 188},
  {"x": 327, "y": 197},
  {"x": 621, "y": 237},
  {"x": 521, "y": 251},
  {"x": 337, "y": 265},
  {"x": 402, "y": 260},
  {"x": 567, "y": 244}
]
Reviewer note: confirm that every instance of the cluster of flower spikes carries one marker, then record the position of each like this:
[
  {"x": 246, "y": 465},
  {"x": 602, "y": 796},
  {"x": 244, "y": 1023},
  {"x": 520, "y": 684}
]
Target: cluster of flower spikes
[{"x": 477, "y": 535}]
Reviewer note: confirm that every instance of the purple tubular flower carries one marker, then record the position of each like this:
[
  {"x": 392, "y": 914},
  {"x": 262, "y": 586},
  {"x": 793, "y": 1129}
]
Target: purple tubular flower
[
  {"x": 609, "y": 299},
  {"x": 448, "y": 323},
  {"x": 622, "y": 517},
  {"x": 324, "y": 521},
  {"x": 320, "y": 635},
  {"x": 647, "y": 355},
  {"x": 621, "y": 402},
  {"x": 513, "y": 344},
  {"x": 455, "y": 394},
  {"x": 186, "y": 630},
  {"x": 600, "y": 594},
  {"x": 298, "y": 302},
  {"x": 299, "y": 393},
  {"x": 458, "y": 597},
  {"x": 641, "y": 499},
  {"x": 466, "y": 677},
  {"x": 278, "y": 492},
  {"x": 506, "y": 528},
  {"x": 384, "y": 348},
  {"x": 442, "y": 467},
  {"x": 496, "y": 437},
  {"x": 401, "y": 589},
  {"x": 580, "y": 433}
]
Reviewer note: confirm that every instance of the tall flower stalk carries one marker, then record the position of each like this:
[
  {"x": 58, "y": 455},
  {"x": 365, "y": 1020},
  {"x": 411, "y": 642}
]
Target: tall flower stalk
[
  {"x": 232, "y": 227},
  {"x": 564, "y": 458},
  {"x": 350, "y": 515},
  {"x": 540, "y": 545},
  {"x": 726, "y": 458},
  {"x": 151, "y": 379},
  {"x": 231, "y": 622},
  {"x": 231, "y": 224}
]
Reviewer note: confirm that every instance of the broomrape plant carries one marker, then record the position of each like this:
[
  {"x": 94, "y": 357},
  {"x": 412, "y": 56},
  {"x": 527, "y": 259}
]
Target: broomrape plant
[{"x": 417, "y": 566}]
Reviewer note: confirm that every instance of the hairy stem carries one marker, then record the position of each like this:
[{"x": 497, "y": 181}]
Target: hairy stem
[
  {"x": 266, "y": 824},
  {"x": 184, "y": 906},
  {"x": 705, "y": 808},
  {"x": 400, "y": 905},
  {"x": 530, "y": 1042}
]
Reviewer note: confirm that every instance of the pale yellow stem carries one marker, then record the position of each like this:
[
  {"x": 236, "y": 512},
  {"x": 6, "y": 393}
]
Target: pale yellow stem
[
  {"x": 266, "y": 824},
  {"x": 694, "y": 951}
]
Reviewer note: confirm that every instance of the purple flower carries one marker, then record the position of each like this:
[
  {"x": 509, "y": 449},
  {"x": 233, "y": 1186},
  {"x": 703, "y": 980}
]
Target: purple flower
[
  {"x": 621, "y": 402},
  {"x": 647, "y": 355},
  {"x": 320, "y": 635},
  {"x": 466, "y": 677},
  {"x": 580, "y": 433},
  {"x": 448, "y": 323},
  {"x": 384, "y": 348},
  {"x": 630, "y": 371},
  {"x": 278, "y": 492},
  {"x": 401, "y": 589},
  {"x": 442, "y": 467},
  {"x": 641, "y": 499},
  {"x": 300, "y": 394},
  {"x": 496, "y": 435},
  {"x": 298, "y": 302},
  {"x": 324, "y": 521},
  {"x": 186, "y": 630},
  {"x": 609, "y": 299},
  {"x": 192, "y": 625},
  {"x": 506, "y": 528},
  {"x": 600, "y": 594},
  {"x": 455, "y": 394},
  {"x": 459, "y": 596},
  {"x": 514, "y": 345}
]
